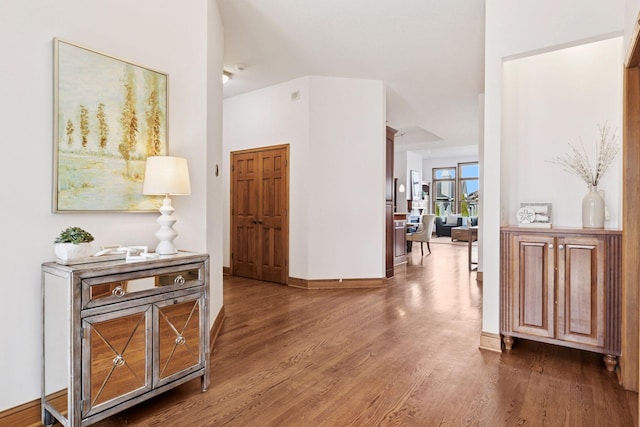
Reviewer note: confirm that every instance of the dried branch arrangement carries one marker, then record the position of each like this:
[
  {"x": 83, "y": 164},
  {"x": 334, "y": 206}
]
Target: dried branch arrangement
[{"x": 577, "y": 162}]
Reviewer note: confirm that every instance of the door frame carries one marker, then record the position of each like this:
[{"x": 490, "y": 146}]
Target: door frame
[
  {"x": 285, "y": 225},
  {"x": 630, "y": 358}
]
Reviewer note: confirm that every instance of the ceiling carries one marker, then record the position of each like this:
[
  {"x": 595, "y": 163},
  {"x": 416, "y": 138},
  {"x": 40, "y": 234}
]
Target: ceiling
[{"x": 429, "y": 54}]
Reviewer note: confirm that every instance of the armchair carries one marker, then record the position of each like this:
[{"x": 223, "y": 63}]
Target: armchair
[{"x": 424, "y": 232}]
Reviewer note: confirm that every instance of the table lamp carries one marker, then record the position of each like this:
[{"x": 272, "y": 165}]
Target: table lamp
[{"x": 166, "y": 176}]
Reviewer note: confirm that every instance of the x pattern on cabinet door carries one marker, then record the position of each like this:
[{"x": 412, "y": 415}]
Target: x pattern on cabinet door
[
  {"x": 117, "y": 368},
  {"x": 178, "y": 338}
]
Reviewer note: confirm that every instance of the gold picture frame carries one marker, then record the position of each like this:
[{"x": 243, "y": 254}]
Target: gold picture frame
[{"x": 109, "y": 116}]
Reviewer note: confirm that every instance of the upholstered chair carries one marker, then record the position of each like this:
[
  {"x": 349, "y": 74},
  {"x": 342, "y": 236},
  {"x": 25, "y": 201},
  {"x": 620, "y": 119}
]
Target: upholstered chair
[{"x": 423, "y": 234}]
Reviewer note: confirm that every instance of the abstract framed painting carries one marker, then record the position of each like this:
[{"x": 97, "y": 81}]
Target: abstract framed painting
[
  {"x": 109, "y": 116},
  {"x": 416, "y": 185}
]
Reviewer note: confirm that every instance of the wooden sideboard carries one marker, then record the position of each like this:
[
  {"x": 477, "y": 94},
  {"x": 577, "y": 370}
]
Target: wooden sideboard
[
  {"x": 562, "y": 286},
  {"x": 116, "y": 333},
  {"x": 399, "y": 242}
]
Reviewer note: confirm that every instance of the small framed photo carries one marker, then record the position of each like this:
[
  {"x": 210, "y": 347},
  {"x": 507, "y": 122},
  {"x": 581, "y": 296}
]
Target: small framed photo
[
  {"x": 535, "y": 214},
  {"x": 136, "y": 253}
]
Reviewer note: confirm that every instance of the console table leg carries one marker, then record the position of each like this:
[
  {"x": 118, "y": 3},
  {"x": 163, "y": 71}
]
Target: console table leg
[
  {"x": 47, "y": 418},
  {"x": 508, "y": 342},
  {"x": 610, "y": 362}
]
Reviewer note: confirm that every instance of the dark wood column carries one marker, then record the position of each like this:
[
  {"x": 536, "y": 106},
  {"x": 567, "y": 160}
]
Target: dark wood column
[{"x": 389, "y": 253}]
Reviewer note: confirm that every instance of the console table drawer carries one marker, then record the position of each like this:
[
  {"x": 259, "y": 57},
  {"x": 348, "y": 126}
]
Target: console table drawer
[{"x": 122, "y": 287}]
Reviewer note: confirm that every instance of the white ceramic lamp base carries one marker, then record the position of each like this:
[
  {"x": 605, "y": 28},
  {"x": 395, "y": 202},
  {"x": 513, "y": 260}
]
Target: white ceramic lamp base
[{"x": 166, "y": 234}]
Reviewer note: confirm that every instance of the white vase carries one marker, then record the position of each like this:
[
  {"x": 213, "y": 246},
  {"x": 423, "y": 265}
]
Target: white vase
[
  {"x": 70, "y": 251},
  {"x": 593, "y": 209}
]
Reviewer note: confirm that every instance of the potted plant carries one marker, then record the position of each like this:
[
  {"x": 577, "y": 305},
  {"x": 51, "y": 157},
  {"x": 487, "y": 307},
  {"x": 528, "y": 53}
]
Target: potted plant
[{"x": 73, "y": 243}]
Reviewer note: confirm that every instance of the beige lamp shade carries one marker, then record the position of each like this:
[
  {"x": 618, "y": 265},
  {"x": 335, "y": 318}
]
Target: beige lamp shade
[{"x": 166, "y": 175}]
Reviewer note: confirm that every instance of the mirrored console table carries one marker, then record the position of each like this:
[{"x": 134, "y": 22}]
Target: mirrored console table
[{"x": 116, "y": 333}]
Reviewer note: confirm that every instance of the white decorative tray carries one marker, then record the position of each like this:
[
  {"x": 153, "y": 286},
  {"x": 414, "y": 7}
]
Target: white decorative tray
[{"x": 87, "y": 260}]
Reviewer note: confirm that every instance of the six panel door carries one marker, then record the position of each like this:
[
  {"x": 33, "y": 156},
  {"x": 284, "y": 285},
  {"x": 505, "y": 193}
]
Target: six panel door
[
  {"x": 245, "y": 257},
  {"x": 259, "y": 214}
]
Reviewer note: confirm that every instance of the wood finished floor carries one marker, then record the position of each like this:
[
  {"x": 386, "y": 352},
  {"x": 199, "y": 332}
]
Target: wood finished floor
[{"x": 405, "y": 355}]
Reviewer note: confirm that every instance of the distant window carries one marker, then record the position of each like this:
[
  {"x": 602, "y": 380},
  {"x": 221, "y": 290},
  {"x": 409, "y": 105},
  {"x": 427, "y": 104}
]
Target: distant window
[
  {"x": 455, "y": 189},
  {"x": 444, "y": 190},
  {"x": 468, "y": 186}
]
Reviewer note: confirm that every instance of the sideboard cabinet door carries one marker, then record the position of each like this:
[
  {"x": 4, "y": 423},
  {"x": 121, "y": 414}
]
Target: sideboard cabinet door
[
  {"x": 581, "y": 290},
  {"x": 533, "y": 290}
]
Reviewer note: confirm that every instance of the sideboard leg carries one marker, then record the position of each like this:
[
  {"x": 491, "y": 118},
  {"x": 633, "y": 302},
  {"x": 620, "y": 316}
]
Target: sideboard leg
[
  {"x": 508, "y": 342},
  {"x": 610, "y": 362}
]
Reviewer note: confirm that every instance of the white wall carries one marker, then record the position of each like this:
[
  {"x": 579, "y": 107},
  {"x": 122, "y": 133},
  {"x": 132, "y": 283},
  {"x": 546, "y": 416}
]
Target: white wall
[
  {"x": 404, "y": 163},
  {"x": 551, "y": 100},
  {"x": 346, "y": 168},
  {"x": 414, "y": 163},
  {"x": 167, "y": 36},
  {"x": 336, "y": 134},
  {"x": 632, "y": 7},
  {"x": 214, "y": 192},
  {"x": 400, "y": 171},
  {"x": 269, "y": 117},
  {"x": 515, "y": 29}
]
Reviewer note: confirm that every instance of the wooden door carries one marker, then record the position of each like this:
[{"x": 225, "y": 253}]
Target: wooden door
[
  {"x": 581, "y": 290},
  {"x": 259, "y": 214},
  {"x": 533, "y": 285}
]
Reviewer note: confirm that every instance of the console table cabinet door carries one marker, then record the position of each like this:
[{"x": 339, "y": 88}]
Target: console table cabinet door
[
  {"x": 533, "y": 285},
  {"x": 581, "y": 299},
  {"x": 178, "y": 342},
  {"x": 116, "y": 358}
]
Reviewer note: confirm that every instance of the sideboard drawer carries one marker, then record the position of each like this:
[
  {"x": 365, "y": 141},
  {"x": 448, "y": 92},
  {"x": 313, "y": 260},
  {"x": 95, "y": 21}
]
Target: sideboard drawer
[{"x": 115, "y": 288}]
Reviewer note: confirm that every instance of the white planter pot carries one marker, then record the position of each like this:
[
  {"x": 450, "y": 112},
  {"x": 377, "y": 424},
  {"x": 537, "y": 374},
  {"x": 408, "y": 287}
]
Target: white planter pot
[{"x": 70, "y": 251}]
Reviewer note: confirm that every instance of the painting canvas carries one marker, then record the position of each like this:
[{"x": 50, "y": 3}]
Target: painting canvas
[
  {"x": 416, "y": 185},
  {"x": 109, "y": 116}
]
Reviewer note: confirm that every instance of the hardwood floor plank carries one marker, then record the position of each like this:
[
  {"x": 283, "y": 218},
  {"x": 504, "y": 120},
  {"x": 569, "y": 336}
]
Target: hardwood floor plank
[{"x": 404, "y": 355}]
